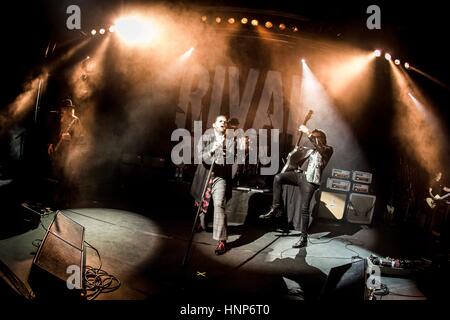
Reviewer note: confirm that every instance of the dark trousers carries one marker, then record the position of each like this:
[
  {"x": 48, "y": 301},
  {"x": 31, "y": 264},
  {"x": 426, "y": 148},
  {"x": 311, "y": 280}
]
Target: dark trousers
[{"x": 306, "y": 192}]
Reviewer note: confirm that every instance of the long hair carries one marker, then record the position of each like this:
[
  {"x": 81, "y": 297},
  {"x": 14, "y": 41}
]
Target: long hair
[{"x": 320, "y": 135}]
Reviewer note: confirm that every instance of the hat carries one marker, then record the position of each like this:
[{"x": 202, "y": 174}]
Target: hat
[{"x": 67, "y": 103}]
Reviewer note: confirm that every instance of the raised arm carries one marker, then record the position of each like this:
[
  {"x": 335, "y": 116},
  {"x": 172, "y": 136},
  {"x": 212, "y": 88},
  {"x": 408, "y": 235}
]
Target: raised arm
[{"x": 324, "y": 150}]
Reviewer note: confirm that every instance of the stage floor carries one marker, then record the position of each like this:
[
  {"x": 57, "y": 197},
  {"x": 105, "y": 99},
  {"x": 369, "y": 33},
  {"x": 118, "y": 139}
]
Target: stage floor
[{"x": 146, "y": 254}]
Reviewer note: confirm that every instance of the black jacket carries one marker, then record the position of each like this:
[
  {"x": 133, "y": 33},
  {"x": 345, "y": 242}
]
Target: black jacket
[{"x": 220, "y": 169}]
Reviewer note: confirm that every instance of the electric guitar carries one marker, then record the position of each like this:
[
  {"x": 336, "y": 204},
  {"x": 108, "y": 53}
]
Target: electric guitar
[
  {"x": 56, "y": 150},
  {"x": 432, "y": 202},
  {"x": 297, "y": 154}
]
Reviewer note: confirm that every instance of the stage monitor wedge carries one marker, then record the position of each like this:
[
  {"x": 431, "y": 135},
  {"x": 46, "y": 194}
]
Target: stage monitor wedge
[
  {"x": 60, "y": 256},
  {"x": 346, "y": 283}
]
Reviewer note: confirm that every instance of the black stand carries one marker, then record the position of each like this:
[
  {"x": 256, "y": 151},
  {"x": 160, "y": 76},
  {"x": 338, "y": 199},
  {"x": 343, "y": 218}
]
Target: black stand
[{"x": 188, "y": 249}]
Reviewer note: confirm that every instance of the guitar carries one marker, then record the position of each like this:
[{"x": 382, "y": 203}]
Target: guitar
[
  {"x": 56, "y": 150},
  {"x": 297, "y": 153},
  {"x": 432, "y": 202}
]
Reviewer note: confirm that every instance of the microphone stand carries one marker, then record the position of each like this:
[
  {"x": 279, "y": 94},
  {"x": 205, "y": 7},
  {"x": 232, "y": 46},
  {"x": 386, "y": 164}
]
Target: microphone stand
[{"x": 188, "y": 249}]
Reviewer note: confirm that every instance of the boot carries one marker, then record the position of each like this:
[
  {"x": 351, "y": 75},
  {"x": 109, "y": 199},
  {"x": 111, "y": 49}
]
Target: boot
[
  {"x": 221, "y": 247},
  {"x": 274, "y": 212},
  {"x": 302, "y": 242}
]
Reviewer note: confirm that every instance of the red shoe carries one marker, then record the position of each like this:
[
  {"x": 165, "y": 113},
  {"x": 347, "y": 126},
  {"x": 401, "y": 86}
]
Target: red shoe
[{"x": 221, "y": 247}]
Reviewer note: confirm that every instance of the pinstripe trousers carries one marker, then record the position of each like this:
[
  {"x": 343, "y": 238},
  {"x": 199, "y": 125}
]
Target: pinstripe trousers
[{"x": 220, "y": 215}]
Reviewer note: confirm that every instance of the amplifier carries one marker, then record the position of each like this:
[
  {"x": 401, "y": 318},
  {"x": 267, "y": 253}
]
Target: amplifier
[
  {"x": 338, "y": 184},
  {"x": 362, "y": 177},
  {"x": 360, "y": 208},
  {"x": 340, "y": 174},
  {"x": 332, "y": 205}
]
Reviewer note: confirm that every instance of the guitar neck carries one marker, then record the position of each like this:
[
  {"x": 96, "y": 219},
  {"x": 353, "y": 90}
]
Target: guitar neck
[
  {"x": 299, "y": 139},
  {"x": 446, "y": 196}
]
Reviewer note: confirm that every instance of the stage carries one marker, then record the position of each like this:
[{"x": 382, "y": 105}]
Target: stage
[
  {"x": 114, "y": 113},
  {"x": 145, "y": 255}
]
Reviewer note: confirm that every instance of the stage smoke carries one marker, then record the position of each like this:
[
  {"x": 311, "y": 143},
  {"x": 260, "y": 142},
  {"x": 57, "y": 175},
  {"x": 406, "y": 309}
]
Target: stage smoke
[{"x": 417, "y": 127}]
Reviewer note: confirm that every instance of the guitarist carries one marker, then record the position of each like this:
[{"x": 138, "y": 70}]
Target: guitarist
[
  {"x": 440, "y": 207},
  {"x": 306, "y": 169},
  {"x": 64, "y": 149},
  {"x": 437, "y": 187}
]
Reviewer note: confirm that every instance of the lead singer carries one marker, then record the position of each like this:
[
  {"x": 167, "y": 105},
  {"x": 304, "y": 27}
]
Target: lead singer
[
  {"x": 306, "y": 173},
  {"x": 214, "y": 147}
]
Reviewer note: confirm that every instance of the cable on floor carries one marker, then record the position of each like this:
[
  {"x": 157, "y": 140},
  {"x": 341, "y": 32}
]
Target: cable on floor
[{"x": 98, "y": 281}]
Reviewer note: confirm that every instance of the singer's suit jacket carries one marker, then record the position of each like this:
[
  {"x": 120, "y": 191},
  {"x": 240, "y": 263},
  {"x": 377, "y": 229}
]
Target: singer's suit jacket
[{"x": 222, "y": 168}]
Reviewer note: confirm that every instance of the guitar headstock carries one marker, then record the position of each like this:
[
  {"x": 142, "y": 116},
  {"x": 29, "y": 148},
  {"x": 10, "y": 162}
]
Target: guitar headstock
[{"x": 308, "y": 116}]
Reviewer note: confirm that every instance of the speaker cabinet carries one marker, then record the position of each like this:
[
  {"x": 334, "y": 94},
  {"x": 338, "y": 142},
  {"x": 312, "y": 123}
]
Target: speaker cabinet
[
  {"x": 347, "y": 282},
  {"x": 360, "y": 208},
  {"x": 59, "y": 257},
  {"x": 332, "y": 205}
]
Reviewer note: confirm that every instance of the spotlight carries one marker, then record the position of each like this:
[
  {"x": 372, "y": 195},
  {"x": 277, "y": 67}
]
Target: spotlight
[
  {"x": 406, "y": 65},
  {"x": 101, "y": 31},
  {"x": 295, "y": 29},
  {"x": 255, "y": 22},
  {"x": 218, "y": 19},
  {"x": 231, "y": 20},
  {"x": 377, "y": 53},
  {"x": 112, "y": 28},
  {"x": 387, "y": 56},
  {"x": 397, "y": 62},
  {"x": 204, "y": 18},
  {"x": 244, "y": 20},
  {"x": 282, "y": 26},
  {"x": 303, "y": 60},
  {"x": 187, "y": 54},
  {"x": 94, "y": 32},
  {"x": 269, "y": 25},
  {"x": 136, "y": 30}
]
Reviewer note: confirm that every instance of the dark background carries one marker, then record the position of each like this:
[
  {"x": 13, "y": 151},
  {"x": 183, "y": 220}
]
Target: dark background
[{"x": 415, "y": 32}]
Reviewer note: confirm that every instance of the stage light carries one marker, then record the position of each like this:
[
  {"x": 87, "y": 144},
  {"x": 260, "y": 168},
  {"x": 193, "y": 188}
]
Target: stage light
[
  {"x": 377, "y": 53},
  {"x": 218, "y": 19},
  {"x": 231, "y": 20},
  {"x": 397, "y": 62},
  {"x": 269, "y": 25},
  {"x": 255, "y": 22},
  {"x": 406, "y": 65},
  {"x": 282, "y": 26},
  {"x": 387, "y": 56},
  {"x": 295, "y": 29},
  {"x": 204, "y": 18},
  {"x": 93, "y": 32},
  {"x": 303, "y": 60},
  {"x": 135, "y": 30},
  {"x": 244, "y": 20},
  {"x": 112, "y": 28},
  {"x": 187, "y": 54},
  {"x": 101, "y": 31}
]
